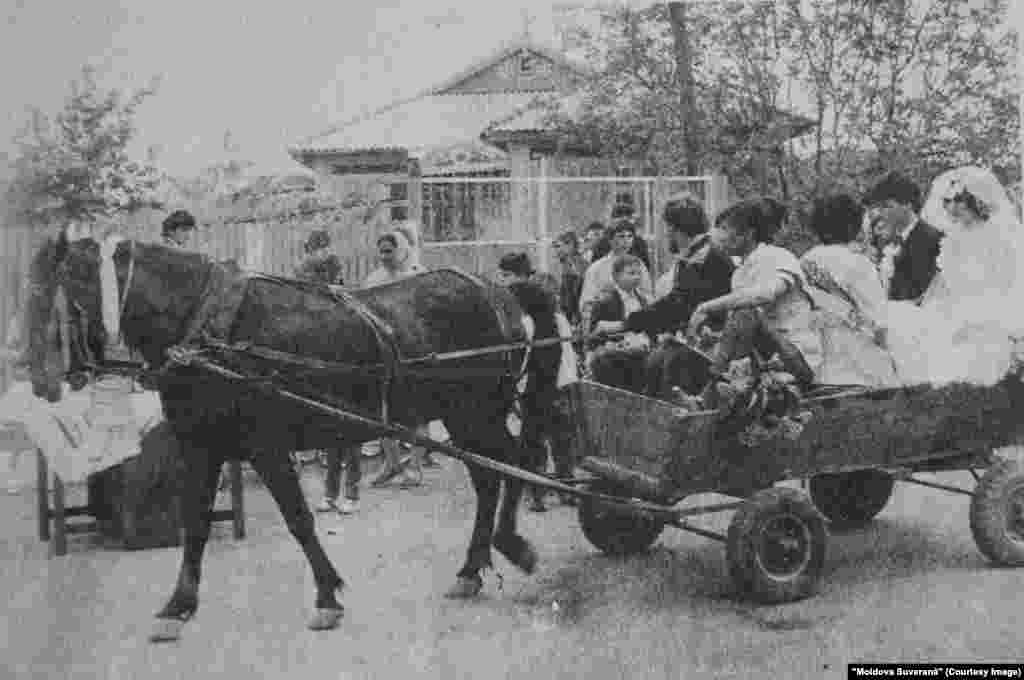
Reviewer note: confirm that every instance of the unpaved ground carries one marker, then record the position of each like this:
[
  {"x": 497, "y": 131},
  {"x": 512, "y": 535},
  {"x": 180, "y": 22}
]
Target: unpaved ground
[{"x": 911, "y": 586}]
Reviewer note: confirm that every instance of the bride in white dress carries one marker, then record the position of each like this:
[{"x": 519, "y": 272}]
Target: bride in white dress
[{"x": 966, "y": 324}]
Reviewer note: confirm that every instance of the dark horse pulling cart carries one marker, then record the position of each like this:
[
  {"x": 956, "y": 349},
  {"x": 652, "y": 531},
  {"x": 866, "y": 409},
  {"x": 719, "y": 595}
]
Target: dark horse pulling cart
[
  {"x": 262, "y": 366},
  {"x": 643, "y": 456}
]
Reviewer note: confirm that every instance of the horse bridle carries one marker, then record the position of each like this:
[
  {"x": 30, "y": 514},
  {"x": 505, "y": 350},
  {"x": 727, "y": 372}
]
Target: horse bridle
[{"x": 79, "y": 341}]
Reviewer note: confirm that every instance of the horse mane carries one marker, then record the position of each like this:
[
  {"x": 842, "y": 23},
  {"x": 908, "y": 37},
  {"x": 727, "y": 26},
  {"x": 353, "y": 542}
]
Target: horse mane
[{"x": 176, "y": 268}]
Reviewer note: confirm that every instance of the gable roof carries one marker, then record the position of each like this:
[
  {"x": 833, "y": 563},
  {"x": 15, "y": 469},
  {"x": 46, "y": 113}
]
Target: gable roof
[
  {"x": 436, "y": 116},
  {"x": 506, "y": 51},
  {"x": 430, "y": 120}
]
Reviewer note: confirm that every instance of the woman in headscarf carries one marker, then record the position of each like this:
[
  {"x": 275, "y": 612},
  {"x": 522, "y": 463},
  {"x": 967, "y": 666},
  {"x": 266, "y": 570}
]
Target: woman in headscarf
[{"x": 398, "y": 257}]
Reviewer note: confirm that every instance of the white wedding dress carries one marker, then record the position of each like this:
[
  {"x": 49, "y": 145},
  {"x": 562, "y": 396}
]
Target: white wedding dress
[{"x": 965, "y": 327}]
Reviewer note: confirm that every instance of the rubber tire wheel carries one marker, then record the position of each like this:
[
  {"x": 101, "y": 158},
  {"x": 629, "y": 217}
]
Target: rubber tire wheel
[
  {"x": 744, "y": 549},
  {"x": 993, "y": 508},
  {"x": 613, "y": 531},
  {"x": 851, "y": 497}
]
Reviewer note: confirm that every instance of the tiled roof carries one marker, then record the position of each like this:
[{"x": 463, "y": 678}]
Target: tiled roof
[
  {"x": 535, "y": 118},
  {"x": 437, "y": 120},
  {"x": 434, "y": 116},
  {"x": 474, "y": 156}
]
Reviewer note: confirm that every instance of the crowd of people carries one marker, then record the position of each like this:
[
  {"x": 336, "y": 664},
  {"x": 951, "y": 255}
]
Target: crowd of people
[
  {"x": 398, "y": 256},
  {"x": 901, "y": 290}
]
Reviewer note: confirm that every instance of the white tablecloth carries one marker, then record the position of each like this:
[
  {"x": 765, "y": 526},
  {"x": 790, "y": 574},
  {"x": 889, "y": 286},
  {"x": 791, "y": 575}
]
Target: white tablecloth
[{"x": 86, "y": 431}]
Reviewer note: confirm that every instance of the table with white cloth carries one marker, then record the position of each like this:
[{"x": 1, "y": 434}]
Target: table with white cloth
[{"x": 84, "y": 436}]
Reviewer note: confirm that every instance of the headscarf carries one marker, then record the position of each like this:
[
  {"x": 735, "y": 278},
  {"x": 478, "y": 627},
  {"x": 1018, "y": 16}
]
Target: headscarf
[{"x": 408, "y": 237}]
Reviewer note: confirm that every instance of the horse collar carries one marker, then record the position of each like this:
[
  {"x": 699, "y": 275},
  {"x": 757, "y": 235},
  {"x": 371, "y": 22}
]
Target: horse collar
[{"x": 113, "y": 301}]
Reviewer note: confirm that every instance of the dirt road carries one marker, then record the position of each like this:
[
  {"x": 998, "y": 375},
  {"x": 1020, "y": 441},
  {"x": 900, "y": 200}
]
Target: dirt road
[{"x": 911, "y": 586}]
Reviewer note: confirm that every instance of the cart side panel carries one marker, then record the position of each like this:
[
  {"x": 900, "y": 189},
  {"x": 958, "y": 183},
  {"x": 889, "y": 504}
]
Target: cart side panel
[
  {"x": 882, "y": 429},
  {"x": 885, "y": 430},
  {"x": 636, "y": 432}
]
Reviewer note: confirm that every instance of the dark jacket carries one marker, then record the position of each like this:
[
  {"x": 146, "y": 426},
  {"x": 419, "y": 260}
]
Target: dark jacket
[
  {"x": 702, "y": 274},
  {"x": 570, "y": 286},
  {"x": 639, "y": 248},
  {"x": 915, "y": 266},
  {"x": 609, "y": 307},
  {"x": 542, "y": 366}
]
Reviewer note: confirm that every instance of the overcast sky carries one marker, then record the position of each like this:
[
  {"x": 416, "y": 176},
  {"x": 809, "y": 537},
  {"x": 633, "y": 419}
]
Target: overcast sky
[{"x": 272, "y": 72}]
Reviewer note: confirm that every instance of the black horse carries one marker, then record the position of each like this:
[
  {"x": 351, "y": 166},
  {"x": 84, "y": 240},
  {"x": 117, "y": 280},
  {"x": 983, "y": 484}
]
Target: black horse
[{"x": 167, "y": 297}]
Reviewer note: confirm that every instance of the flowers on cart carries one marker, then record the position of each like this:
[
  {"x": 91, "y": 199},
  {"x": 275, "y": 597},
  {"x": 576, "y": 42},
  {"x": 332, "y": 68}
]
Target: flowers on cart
[
  {"x": 630, "y": 342},
  {"x": 755, "y": 404}
]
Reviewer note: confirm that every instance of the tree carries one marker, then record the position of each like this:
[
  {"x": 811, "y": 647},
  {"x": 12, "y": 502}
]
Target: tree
[
  {"x": 75, "y": 166},
  {"x": 917, "y": 85},
  {"x": 923, "y": 86},
  {"x": 632, "y": 107}
]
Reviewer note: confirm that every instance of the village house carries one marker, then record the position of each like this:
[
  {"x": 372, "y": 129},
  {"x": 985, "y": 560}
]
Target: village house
[
  {"x": 484, "y": 122},
  {"x": 454, "y": 157}
]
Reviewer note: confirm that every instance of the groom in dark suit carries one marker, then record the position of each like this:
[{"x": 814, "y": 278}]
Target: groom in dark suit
[{"x": 909, "y": 245}]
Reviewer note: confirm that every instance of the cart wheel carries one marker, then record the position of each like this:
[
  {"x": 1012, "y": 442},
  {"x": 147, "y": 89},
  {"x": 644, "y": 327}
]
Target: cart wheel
[
  {"x": 997, "y": 513},
  {"x": 776, "y": 546},
  {"x": 851, "y": 497},
  {"x": 614, "y": 530}
]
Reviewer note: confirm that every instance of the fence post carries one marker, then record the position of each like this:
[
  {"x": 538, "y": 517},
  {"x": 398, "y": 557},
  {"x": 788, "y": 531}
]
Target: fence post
[
  {"x": 651, "y": 227},
  {"x": 254, "y": 233},
  {"x": 718, "y": 195},
  {"x": 543, "y": 228}
]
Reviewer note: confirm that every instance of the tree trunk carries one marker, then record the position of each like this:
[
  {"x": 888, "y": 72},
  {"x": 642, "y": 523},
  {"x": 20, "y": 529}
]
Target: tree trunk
[{"x": 684, "y": 79}]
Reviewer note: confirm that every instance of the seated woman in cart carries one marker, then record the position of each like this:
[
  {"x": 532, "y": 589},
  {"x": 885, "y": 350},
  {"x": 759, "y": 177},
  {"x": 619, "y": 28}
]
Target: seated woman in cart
[
  {"x": 849, "y": 298},
  {"x": 770, "y": 308}
]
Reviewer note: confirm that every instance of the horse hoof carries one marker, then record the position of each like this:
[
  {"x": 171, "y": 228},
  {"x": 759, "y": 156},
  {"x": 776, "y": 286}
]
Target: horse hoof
[
  {"x": 519, "y": 552},
  {"x": 326, "y": 619},
  {"x": 527, "y": 559},
  {"x": 167, "y": 630},
  {"x": 465, "y": 588}
]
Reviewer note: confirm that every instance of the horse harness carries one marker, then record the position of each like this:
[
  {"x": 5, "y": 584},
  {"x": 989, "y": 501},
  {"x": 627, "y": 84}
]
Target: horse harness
[{"x": 212, "y": 320}]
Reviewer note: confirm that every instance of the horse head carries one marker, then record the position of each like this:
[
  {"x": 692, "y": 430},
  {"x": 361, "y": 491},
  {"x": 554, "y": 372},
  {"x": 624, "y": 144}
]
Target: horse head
[{"x": 62, "y": 323}]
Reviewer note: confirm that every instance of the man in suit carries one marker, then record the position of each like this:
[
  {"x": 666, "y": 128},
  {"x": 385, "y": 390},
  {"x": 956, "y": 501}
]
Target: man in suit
[
  {"x": 909, "y": 245},
  {"x": 625, "y": 298}
]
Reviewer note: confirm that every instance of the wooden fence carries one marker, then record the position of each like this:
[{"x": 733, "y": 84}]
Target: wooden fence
[{"x": 268, "y": 235}]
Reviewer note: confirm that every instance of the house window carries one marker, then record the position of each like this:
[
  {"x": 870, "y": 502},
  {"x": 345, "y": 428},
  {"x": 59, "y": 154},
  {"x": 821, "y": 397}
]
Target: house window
[
  {"x": 458, "y": 210},
  {"x": 399, "y": 213},
  {"x": 625, "y": 198},
  {"x": 398, "y": 191},
  {"x": 527, "y": 64}
]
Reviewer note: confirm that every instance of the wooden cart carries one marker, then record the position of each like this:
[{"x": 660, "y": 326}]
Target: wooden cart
[{"x": 857, "y": 444}]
